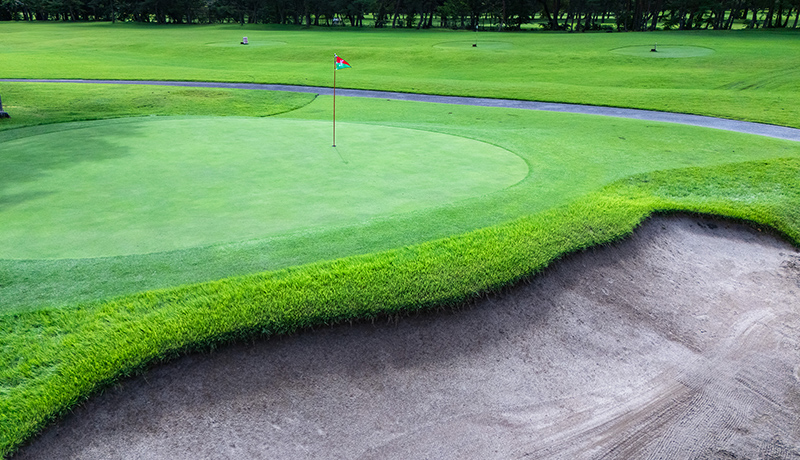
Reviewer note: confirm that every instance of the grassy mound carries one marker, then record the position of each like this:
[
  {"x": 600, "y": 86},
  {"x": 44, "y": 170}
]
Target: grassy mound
[{"x": 55, "y": 358}]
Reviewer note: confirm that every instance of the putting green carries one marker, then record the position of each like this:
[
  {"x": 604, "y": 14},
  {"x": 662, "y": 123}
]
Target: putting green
[
  {"x": 251, "y": 43},
  {"x": 142, "y": 185},
  {"x": 664, "y": 51}
]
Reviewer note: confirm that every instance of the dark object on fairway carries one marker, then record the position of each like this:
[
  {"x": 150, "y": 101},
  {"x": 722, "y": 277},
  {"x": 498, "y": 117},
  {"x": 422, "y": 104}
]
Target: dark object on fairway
[
  {"x": 474, "y": 45},
  {"x": 3, "y": 114},
  {"x": 653, "y": 49}
]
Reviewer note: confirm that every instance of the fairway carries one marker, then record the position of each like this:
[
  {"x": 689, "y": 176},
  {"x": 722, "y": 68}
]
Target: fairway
[{"x": 143, "y": 185}]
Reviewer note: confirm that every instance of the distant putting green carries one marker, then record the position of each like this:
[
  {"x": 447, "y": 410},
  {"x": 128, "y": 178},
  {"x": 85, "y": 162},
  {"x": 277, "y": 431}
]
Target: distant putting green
[
  {"x": 253, "y": 43},
  {"x": 143, "y": 185},
  {"x": 664, "y": 51},
  {"x": 477, "y": 43}
]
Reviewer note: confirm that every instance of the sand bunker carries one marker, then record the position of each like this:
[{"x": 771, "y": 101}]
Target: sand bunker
[{"x": 681, "y": 342}]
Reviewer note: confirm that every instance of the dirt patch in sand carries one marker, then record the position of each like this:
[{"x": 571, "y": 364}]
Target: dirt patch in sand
[{"x": 680, "y": 342}]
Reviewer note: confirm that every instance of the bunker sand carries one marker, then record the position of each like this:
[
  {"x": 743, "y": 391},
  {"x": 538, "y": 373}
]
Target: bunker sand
[{"x": 681, "y": 342}]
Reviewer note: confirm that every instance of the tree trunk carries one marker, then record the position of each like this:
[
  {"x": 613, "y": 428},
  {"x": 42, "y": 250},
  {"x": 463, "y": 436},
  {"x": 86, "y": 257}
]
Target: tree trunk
[
  {"x": 556, "y": 10},
  {"x": 770, "y": 13},
  {"x": 788, "y": 15},
  {"x": 638, "y": 15},
  {"x": 547, "y": 12},
  {"x": 396, "y": 11},
  {"x": 731, "y": 17}
]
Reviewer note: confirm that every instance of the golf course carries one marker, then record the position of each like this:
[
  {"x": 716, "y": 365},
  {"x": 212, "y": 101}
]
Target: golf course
[{"x": 173, "y": 233}]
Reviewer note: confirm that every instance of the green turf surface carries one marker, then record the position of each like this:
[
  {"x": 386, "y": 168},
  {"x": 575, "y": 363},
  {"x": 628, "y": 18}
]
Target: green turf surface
[
  {"x": 664, "y": 51},
  {"x": 142, "y": 185},
  {"x": 745, "y": 74},
  {"x": 34, "y": 104},
  {"x": 485, "y": 45}
]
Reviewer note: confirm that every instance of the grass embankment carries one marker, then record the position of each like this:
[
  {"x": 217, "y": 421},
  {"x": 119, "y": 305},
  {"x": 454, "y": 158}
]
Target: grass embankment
[
  {"x": 749, "y": 75},
  {"x": 52, "y": 359}
]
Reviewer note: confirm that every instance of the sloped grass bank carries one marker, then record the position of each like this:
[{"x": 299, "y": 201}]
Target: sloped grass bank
[
  {"x": 32, "y": 104},
  {"x": 50, "y": 360}
]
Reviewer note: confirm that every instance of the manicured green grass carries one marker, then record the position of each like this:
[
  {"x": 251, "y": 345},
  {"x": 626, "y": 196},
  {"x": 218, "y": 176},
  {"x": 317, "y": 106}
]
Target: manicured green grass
[
  {"x": 765, "y": 192},
  {"x": 144, "y": 185},
  {"x": 749, "y": 75},
  {"x": 591, "y": 180},
  {"x": 35, "y": 104}
]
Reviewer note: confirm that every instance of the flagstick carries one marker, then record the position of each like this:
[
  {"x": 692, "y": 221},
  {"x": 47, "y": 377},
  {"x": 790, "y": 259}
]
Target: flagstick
[{"x": 334, "y": 104}]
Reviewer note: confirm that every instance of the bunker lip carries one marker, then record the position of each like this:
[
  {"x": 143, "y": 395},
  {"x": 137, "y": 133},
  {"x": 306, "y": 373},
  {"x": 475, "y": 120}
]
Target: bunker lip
[{"x": 677, "y": 342}]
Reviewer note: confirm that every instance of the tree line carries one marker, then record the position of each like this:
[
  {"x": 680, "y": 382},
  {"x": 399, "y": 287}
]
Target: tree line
[{"x": 569, "y": 15}]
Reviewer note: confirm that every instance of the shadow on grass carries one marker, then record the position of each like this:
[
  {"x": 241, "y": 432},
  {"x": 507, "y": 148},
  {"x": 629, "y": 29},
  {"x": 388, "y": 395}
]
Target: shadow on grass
[{"x": 29, "y": 154}]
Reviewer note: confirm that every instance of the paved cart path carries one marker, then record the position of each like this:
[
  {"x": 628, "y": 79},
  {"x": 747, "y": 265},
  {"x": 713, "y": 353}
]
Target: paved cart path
[{"x": 761, "y": 129}]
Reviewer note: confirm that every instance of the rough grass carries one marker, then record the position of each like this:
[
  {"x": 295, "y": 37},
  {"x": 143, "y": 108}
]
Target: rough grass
[{"x": 749, "y": 75}]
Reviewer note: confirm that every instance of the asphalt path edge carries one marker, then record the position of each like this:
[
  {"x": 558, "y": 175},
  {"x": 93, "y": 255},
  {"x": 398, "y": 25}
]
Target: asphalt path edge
[{"x": 747, "y": 127}]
